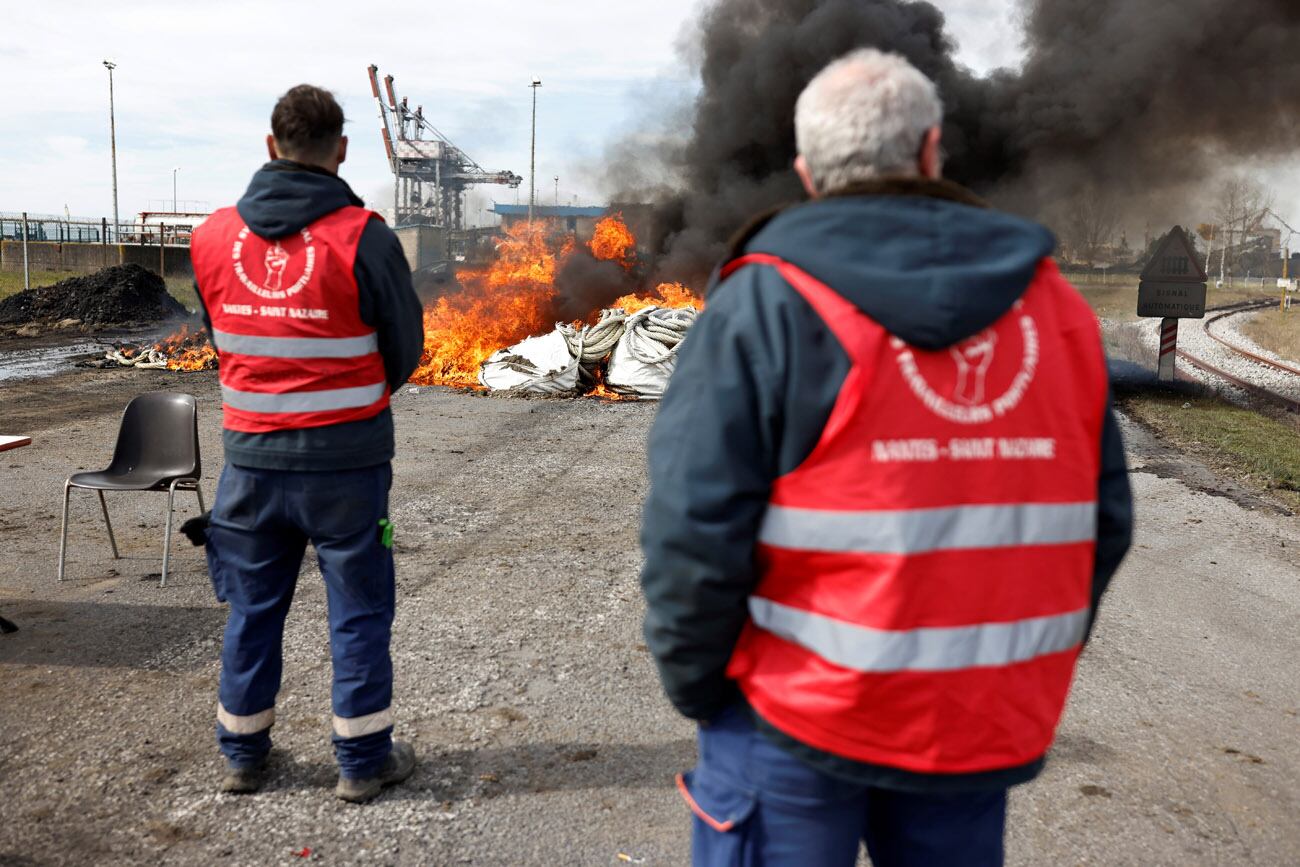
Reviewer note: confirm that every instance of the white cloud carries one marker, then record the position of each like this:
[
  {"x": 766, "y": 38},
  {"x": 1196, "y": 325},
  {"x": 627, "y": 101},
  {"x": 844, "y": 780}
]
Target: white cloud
[{"x": 196, "y": 81}]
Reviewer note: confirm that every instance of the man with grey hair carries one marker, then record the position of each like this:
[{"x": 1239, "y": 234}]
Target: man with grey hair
[{"x": 887, "y": 494}]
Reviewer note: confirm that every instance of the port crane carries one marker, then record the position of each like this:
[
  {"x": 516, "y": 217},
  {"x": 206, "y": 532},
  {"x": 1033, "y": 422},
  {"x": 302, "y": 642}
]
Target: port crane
[{"x": 430, "y": 173}]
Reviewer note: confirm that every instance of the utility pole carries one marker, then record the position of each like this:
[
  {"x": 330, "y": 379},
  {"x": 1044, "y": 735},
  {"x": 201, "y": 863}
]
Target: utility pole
[
  {"x": 174, "y": 171},
  {"x": 112, "y": 138},
  {"x": 532, "y": 165},
  {"x": 557, "y": 191}
]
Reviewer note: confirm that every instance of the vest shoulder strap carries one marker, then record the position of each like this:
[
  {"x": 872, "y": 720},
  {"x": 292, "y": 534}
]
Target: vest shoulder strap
[{"x": 849, "y": 324}]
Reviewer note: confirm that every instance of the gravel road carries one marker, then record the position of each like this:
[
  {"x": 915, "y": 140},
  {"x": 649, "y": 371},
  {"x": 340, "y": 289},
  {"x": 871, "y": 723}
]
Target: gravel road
[{"x": 523, "y": 681}]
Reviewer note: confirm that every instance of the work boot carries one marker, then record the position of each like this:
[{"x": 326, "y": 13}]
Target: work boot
[
  {"x": 399, "y": 765},
  {"x": 243, "y": 781}
]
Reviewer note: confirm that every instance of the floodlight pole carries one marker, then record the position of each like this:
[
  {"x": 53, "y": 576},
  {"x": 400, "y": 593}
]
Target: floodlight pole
[
  {"x": 532, "y": 168},
  {"x": 112, "y": 138},
  {"x": 174, "y": 171}
]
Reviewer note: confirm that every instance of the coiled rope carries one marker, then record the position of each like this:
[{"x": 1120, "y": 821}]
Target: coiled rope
[
  {"x": 652, "y": 338},
  {"x": 591, "y": 345},
  {"x": 654, "y": 334},
  {"x": 145, "y": 359}
]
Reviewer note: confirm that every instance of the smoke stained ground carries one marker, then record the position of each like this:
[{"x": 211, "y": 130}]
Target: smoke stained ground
[{"x": 1149, "y": 101}]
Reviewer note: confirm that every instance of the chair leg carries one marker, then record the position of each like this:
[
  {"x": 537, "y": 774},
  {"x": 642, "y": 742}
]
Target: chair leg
[
  {"x": 198, "y": 490},
  {"x": 109, "y": 524},
  {"x": 63, "y": 533},
  {"x": 167, "y": 534}
]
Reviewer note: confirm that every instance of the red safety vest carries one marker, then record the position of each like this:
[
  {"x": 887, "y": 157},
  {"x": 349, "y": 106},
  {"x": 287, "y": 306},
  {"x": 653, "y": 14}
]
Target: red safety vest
[
  {"x": 294, "y": 352},
  {"x": 925, "y": 575}
]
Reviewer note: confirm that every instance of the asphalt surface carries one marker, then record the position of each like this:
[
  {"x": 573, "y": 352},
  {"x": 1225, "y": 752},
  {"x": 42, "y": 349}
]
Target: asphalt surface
[{"x": 522, "y": 679}]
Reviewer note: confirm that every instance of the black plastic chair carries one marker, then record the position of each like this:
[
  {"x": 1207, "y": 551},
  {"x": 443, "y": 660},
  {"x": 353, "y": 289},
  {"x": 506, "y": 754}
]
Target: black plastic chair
[{"x": 157, "y": 450}]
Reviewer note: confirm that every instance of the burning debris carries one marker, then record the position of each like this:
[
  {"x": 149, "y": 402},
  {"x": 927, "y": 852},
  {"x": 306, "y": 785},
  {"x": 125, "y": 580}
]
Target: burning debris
[
  {"x": 498, "y": 329},
  {"x": 118, "y": 295},
  {"x": 187, "y": 349},
  {"x": 520, "y": 325},
  {"x": 620, "y": 356}
]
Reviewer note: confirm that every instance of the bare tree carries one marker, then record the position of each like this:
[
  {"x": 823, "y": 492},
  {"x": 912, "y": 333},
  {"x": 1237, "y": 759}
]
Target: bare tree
[
  {"x": 1090, "y": 224},
  {"x": 1243, "y": 204}
]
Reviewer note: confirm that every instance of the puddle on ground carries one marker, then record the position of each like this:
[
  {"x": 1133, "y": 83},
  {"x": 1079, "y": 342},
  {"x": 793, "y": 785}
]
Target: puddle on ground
[{"x": 41, "y": 361}]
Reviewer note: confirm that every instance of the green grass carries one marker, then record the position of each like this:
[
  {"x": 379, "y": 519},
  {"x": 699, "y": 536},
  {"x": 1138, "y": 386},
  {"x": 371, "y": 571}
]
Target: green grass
[
  {"x": 1263, "y": 452},
  {"x": 182, "y": 289},
  {"x": 11, "y": 283},
  {"x": 1276, "y": 331}
]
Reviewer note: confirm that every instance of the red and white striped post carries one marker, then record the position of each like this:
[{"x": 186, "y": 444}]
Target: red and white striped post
[{"x": 1168, "y": 349}]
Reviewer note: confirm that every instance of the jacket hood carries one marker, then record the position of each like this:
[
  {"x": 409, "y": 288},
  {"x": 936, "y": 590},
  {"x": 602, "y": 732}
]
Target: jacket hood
[
  {"x": 285, "y": 196},
  {"x": 926, "y": 259}
]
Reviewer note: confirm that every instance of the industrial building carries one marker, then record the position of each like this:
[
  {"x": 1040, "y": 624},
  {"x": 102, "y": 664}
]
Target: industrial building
[{"x": 576, "y": 219}]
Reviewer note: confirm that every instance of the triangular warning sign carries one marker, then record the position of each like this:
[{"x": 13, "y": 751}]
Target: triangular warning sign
[{"x": 1175, "y": 260}]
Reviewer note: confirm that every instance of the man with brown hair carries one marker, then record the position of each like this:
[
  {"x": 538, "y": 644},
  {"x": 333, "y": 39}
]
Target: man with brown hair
[{"x": 308, "y": 299}]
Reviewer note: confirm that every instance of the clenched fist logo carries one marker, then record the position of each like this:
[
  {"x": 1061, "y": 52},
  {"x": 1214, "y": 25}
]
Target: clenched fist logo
[
  {"x": 973, "y": 358},
  {"x": 277, "y": 259}
]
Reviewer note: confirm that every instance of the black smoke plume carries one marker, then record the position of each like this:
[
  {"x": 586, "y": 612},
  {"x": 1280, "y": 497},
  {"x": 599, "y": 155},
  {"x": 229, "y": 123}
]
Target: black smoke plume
[
  {"x": 1147, "y": 100},
  {"x": 584, "y": 283}
]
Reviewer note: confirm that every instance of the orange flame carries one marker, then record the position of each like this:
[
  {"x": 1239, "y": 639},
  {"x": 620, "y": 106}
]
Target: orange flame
[
  {"x": 493, "y": 307},
  {"x": 614, "y": 241},
  {"x": 188, "y": 350},
  {"x": 664, "y": 295},
  {"x": 515, "y": 297}
]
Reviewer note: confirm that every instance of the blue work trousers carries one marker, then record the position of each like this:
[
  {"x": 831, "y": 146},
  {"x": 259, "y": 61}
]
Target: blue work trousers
[
  {"x": 262, "y": 521},
  {"x": 756, "y": 805}
]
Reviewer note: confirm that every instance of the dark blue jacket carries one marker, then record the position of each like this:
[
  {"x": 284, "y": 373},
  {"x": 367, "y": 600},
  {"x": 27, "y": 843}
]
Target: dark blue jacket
[
  {"x": 755, "y": 384},
  {"x": 282, "y": 199}
]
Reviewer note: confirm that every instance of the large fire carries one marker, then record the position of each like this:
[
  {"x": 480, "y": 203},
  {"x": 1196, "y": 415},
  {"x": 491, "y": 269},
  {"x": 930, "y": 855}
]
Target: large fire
[
  {"x": 188, "y": 350},
  {"x": 515, "y": 297},
  {"x": 493, "y": 307},
  {"x": 612, "y": 239}
]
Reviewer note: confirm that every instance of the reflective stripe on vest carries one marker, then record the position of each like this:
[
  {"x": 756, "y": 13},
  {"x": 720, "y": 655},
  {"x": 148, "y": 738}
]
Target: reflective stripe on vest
[
  {"x": 919, "y": 531},
  {"x": 303, "y": 401},
  {"x": 862, "y": 648},
  {"x": 296, "y": 347}
]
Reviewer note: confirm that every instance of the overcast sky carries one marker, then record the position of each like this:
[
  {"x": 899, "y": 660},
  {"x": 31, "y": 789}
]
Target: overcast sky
[{"x": 195, "y": 84}]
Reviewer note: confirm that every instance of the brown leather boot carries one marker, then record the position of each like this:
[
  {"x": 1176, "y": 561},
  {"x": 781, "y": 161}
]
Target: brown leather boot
[{"x": 399, "y": 765}]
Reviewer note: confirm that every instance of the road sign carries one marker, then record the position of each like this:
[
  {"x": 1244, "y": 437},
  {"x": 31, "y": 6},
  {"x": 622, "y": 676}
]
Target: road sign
[
  {"x": 1175, "y": 261},
  {"x": 1171, "y": 300},
  {"x": 1172, "y": 285}
]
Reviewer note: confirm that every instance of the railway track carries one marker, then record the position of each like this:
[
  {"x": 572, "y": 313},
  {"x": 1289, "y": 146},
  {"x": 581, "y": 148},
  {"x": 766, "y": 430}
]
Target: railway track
[{"x": 1285, "y": 401}]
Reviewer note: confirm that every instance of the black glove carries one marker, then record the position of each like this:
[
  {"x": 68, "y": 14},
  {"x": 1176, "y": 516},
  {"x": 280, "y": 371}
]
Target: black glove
[{"x": 196, "y": 529}]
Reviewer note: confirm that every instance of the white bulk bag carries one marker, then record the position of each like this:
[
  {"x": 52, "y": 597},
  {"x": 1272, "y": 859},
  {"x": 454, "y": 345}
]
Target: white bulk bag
[
  {"x": 540, "y": 365},
  {"x": 646, "y": 355}
]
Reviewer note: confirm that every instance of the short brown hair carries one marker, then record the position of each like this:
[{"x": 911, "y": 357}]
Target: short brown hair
[{"x": 307, "y": 122}]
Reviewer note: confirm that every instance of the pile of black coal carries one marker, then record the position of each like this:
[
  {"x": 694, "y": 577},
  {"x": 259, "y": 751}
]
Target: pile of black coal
[{"x": 120, "y": 295}]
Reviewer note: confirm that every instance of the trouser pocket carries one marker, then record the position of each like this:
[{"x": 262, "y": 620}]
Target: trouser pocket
[
  {"x": 213, "y": 550},
  {"x": 720, "y": 835}
]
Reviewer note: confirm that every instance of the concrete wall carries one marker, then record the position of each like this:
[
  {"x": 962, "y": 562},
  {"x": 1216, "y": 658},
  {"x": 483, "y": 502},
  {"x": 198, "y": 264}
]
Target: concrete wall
[
  {"x": 55, "y": 256},
  {"x": 423, "y": 245}
]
